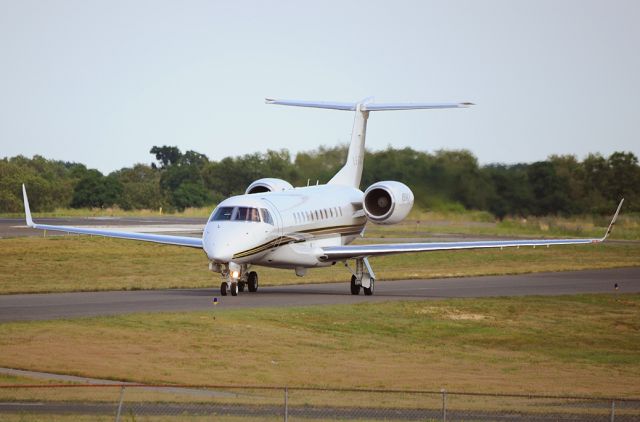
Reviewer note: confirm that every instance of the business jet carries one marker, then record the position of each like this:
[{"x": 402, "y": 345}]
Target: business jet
[{"x": 274, "y": 224}]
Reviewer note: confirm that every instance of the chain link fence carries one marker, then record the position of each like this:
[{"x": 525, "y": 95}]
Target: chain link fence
[{"x": 132, "y": 402}]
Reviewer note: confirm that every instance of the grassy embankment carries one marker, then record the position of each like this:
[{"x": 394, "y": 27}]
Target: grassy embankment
[
  {"x": 586, "y": 344},
  {"x": 72, "y": 263}
]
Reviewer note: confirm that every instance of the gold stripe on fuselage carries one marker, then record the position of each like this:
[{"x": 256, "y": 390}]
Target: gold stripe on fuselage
[{"x": 302, "y": 236}]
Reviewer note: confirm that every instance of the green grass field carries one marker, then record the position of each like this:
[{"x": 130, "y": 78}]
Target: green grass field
[
  {"x": 81, "y": 263},
  {"x": 585, "y": 344}
]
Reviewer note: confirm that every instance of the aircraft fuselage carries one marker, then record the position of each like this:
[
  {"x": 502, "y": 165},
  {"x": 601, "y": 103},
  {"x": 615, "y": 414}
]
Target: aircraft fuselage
[{"x": 284, "y": 229}]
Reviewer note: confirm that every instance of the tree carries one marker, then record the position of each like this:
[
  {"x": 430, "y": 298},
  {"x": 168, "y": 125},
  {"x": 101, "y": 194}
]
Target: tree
[
  {"x": 550, "y": 192},
  {"x": 96, "y": 190},
  {"x": 624, "y": 178},
  {"x": 166, "y": 155},
  {"x": 140, "y": 187}
]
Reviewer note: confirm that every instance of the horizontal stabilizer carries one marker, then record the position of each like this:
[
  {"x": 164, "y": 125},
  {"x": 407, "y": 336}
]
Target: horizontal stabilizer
[
  {"x": 313, "y": 104},
  {"x": 367, "y": 105}
]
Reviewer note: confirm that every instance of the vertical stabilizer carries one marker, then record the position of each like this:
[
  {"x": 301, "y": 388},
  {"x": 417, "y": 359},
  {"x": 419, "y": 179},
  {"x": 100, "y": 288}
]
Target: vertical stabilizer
[{"x": 351, "y": 173}]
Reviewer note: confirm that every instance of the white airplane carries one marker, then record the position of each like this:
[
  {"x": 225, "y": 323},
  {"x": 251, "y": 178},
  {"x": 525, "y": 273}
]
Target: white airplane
[{"x": 276, "y": 225}]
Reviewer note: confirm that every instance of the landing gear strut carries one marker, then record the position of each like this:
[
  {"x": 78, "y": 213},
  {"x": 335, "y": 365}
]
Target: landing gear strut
[{"x": 363, "y": 277}]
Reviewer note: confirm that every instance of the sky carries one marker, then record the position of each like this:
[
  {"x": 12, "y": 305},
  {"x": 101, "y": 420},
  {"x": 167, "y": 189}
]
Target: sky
[{"x": 101, "y": 82}]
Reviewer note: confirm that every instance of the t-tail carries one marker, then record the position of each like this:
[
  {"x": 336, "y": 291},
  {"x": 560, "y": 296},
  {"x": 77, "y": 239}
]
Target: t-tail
[{"x": 351, "y": 173}]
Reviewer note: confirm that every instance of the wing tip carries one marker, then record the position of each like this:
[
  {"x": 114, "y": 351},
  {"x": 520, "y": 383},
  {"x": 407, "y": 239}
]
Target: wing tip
[
  {"x": 27, "y": 210},
  {"x": 613, "y": 221}
]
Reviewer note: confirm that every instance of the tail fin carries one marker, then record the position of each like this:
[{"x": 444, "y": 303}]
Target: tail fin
[{"x": 351, "y": 173}]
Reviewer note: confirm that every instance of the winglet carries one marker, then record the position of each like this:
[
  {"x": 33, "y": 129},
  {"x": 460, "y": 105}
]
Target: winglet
[
  {"x": 27, "y": 211},
  {"x": 613, "y": 221}
]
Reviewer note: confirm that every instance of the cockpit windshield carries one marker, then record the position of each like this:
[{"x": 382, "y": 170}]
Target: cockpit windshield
[
  {"x": 246, "y": 214},
  {"x": 241, "y": 214},
  {"x": 223, "y": 213}
]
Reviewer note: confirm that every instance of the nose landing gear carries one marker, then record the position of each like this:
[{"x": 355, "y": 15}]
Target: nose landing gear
[
  {"x": 236, "y": 279},
  {"x": 363, "y": 277}
]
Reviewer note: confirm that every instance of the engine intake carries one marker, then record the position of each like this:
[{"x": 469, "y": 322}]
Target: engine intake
[
  {"x": 268, "y": 184},
  {"x": 387, "y": 202}
]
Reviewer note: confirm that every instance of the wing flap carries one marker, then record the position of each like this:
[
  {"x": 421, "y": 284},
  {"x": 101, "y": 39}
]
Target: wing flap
[{"x": 337, "y": 253}]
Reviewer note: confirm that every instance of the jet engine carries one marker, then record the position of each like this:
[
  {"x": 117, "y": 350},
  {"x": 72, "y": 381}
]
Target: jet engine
[
  {"x": 387, "y": 202},
  {"x": 268, "y": 185}
]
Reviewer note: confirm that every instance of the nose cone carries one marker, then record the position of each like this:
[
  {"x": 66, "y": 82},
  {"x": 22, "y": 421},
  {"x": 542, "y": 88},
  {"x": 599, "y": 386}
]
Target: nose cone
[
  {"x": 217, "y": 246},
  {"x": 220, "y": 254}
]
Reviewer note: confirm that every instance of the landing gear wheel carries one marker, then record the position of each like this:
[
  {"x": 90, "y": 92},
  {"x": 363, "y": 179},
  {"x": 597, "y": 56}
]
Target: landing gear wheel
[
  {"x": 241, "y": 286},
  {"x": 355, "y": 288},
  {"x": 252, "y": 281},
  {"x": 234, "y": 289},
  {"x": 223, "y": 288},
  {"x": 369, "y": 291}
]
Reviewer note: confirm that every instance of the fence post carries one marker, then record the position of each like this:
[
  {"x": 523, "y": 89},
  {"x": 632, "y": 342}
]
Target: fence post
[
  {"x": 444, "y": 405},
  {"x": 286, "y": 404},
  {"x": 120, "y": 404},
  {"x": 613, "y": 410}
]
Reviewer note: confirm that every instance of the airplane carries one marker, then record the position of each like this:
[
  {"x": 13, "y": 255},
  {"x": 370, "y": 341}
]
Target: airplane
[{"x": 274, "y": 224}]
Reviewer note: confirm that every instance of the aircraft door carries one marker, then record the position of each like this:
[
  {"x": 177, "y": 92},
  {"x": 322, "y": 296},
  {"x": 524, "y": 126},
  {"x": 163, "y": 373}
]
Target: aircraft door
[{"x": 277, "y": 219}]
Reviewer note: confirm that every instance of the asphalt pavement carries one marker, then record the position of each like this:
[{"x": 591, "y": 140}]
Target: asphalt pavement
[{"x": 25, "y": 307}]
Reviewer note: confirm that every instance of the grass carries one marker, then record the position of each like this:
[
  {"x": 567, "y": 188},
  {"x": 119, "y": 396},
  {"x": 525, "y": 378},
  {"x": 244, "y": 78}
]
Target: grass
[
  {"x": 584, "y": 344},
  {"x": 81, "y": 263}
]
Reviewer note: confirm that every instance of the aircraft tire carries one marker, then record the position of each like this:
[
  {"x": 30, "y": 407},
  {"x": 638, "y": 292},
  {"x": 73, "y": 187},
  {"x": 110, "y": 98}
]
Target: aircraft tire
[
  {"x": 355, "y": 288},
  {"x": 369, "y": 291},
  {"x": 223, "y": 288},
  {"x": 234, "y": 289},
  {"x": 241, "y": 286},
  {"x": 252, "y": 281}
]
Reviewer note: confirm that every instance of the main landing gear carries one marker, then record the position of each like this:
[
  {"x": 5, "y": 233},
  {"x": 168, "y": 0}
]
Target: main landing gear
[{"x": 363, "y": 277}]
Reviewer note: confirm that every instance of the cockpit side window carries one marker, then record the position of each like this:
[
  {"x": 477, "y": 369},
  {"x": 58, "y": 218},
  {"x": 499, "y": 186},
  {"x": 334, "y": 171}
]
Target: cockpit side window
[
  {"x": 222, "y": 214},
  {"x": 266, "y": 216}
]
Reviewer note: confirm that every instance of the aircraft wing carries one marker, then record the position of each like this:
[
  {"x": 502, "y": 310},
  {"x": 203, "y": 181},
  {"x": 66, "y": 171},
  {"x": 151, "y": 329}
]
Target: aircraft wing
[
  {"x": 338, "y": 253},
  {"x": 192, "y": 242}
]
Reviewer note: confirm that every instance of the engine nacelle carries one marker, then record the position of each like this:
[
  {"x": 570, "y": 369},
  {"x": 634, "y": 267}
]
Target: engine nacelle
[
  {"x": 268, "y": 184},
  {"x": 387, "y": 202}
]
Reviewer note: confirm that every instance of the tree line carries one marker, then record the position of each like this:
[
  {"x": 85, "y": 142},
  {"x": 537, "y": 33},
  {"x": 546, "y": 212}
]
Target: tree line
[{"x": 445, "y": 179}]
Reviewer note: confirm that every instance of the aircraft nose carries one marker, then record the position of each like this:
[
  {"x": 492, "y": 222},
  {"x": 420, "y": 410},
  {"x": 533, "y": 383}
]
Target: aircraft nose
[
  {"x": 218, "y": 249},
  {"x": 219, "y": 253}
]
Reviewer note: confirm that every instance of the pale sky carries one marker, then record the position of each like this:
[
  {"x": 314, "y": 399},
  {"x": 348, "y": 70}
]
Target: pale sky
[{"x": 101, "y": 82}]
